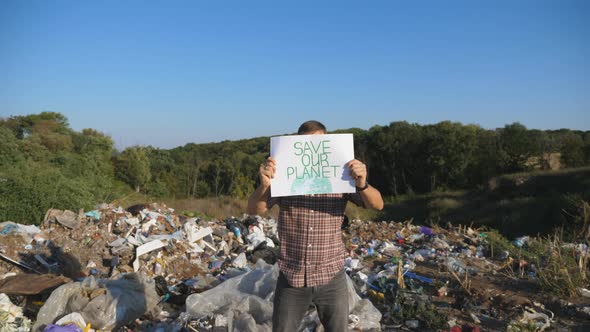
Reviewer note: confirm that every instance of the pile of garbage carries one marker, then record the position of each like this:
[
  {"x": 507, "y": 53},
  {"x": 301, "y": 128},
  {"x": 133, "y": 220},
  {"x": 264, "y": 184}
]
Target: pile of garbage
[
  {"x": 144, "y": 268},
  {"x": 147, "y": 268}
]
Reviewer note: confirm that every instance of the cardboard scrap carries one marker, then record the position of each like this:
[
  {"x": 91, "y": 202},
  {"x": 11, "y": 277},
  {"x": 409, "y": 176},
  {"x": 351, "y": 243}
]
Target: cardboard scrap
[
  {"x": 144, "y": 249},
  {"x": 31, "y": 284}
]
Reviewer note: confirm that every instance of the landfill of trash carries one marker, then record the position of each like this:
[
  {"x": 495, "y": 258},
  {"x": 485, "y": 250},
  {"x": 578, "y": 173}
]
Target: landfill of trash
[{"x": 146, "y": 268}]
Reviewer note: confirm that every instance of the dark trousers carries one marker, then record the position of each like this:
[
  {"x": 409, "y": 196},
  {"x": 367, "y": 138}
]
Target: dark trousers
[{"x": 330, "y": 300}]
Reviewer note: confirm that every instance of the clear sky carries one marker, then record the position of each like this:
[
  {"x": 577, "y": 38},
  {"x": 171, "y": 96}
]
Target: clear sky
[{"x": 166, "y": 73}]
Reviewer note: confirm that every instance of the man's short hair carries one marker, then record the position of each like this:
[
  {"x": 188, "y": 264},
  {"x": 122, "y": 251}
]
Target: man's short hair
[{"x": 311, "y": 126}]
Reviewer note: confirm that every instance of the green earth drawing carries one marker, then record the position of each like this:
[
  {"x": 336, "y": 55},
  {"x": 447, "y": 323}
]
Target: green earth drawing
[{"x": 311, "y": 186}]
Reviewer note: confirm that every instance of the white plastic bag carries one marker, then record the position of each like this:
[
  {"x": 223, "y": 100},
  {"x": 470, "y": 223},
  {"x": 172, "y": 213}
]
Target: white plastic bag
[
  {"x": 246, "y": 301},
  {"x": 104, "y": 304}
]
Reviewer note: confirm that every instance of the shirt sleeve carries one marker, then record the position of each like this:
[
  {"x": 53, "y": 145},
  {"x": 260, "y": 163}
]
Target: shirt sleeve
[{"x": 356, "y": 199}]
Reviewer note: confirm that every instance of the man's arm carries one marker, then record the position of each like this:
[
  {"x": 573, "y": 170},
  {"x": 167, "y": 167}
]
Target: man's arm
[
  {"x": 371, "y": 196},
  {"x": 257, "y": 201}
]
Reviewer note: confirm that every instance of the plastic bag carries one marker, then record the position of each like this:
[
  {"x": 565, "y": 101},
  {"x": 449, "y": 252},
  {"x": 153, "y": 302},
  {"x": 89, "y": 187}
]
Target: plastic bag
[
  {"x": 246, "y": 301},
  {"x": 369, "y": 316},
  {"x": 64, "y": 328},
  {"x": 104, "y": 304},
  {"x": 26, "y": 231},
  {"x": 11, "y": 317}
]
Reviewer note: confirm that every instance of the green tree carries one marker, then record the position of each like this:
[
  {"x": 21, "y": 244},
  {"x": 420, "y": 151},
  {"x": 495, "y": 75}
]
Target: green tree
[
  {"x": 517, "y": 146},
  {"x": 449, "y": 148},
  {"x": 587, "y": 147},
  {"x": 242, "y": 187},
  {"x": 133, "y": 167},
  {"x": 42, "y": 167},
  {"x": 393, "y": 157},
  {"x": 23, "y": 125},
  {"x": 485, "y": 162},
  {"x": 9, "y": 147},
  {"x": 572, "y": 151}
]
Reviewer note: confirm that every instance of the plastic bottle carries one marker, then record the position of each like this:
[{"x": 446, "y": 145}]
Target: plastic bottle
[
  {"x": 426, "y": 253},
  {"x": 521, "y": 241},
  {"x": 479, "y": 252},
  {"x": 236, "y": 230},
  {"x": 455, "y": 265}
]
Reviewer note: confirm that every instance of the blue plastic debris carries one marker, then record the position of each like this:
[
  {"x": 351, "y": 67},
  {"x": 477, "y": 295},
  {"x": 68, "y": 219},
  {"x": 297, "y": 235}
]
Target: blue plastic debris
[
  {"x": 426, "y": 231},
  {"x": 59, "y": 328},
  {"x": 8, "y": 229},
  {"x": 95, "y": 214},
  {"x": 418, "y": 277}
]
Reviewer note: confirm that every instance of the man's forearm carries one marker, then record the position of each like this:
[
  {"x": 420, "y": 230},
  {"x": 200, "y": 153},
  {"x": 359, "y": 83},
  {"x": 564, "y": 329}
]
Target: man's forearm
[
  {"x": 372, "y": 198},
  {"x": 257, "y": 201}
]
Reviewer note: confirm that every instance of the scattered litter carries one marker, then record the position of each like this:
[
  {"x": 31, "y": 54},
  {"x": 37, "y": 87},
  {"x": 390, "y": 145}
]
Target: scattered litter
[
  {"x": 540, "y": 321},
  {"x": 68, "y": 219},
  {"x": 94, "y": 214},
  {"x": 11, "y": 316},
  {"x": 241, "y": 261},
  {"x": 521, "y": 241},
  {"x": 20, "y": 264},
  {"x": 147, "y": 269},
  {"x": 584, "y": 292},
  {"x": 144, "y": 249},
  {"x": 72, "y": 319}
]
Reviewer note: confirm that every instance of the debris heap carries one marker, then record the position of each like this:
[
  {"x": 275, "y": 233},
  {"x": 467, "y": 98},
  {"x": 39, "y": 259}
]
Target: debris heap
[{"x": 146, "y": 268}]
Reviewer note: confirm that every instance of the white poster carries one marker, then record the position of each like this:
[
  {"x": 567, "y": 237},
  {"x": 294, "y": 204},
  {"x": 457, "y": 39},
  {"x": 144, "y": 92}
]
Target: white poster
[{"x": 312, "y": 164}]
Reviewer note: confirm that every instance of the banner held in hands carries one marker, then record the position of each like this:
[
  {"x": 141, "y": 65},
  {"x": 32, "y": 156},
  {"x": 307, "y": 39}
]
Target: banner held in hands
[{"x": 312, "y": 164}]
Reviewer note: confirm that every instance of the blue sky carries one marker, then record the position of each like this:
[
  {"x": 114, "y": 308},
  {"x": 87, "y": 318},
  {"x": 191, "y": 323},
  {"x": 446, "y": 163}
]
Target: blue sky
[{"x": 169, "y": 73}]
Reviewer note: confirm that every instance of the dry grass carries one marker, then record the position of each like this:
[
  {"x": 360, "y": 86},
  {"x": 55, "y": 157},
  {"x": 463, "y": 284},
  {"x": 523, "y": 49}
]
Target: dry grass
[
  {"x": 561, "y": 274},
  {"x": 444, "y": 204},
  {"x": 214, "y": 207},
  {"x": 355, "y": 212},
  {"x": 224, "y": 207},
  {"x": 131, "y": 199},
  {"x": 546, "y": 172},
  {"x": 542, "y": 178}
]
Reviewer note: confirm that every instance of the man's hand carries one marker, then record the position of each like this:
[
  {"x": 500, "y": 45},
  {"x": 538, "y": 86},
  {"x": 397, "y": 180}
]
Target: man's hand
[
  {"x": 371, "y": 196},
  {"x": 267, "y": 172},
  {"x": 257, "y": 201},
  {"x": 358, "y": 171}
]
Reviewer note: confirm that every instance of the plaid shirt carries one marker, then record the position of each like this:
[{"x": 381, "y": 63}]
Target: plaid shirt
[{"x": 312, "y": 251}]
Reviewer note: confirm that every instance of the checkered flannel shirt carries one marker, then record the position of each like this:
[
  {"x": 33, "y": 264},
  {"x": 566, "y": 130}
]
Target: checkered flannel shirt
[{"x": 312, "y": 252}]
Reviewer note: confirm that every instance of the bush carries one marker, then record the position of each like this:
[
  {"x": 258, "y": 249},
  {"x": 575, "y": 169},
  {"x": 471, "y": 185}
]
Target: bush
[
  {"x": 27, "y": 192},
  {"x": 44, "y": 164}
]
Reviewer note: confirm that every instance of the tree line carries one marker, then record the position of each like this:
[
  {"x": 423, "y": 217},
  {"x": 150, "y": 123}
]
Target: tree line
[{"x": 44, "y": 163}]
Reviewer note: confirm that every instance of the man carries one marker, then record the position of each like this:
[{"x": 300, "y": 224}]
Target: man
[{"x": 312, "y": 255}]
